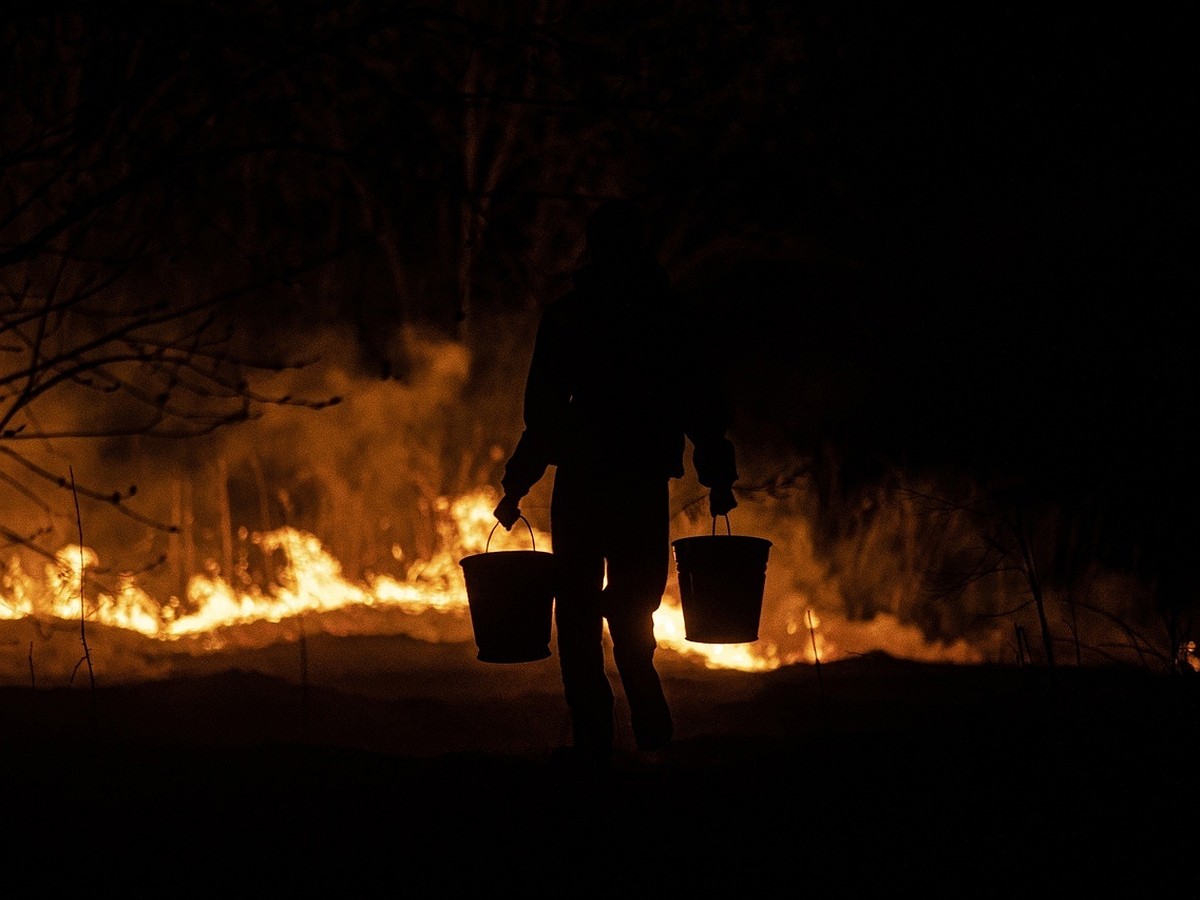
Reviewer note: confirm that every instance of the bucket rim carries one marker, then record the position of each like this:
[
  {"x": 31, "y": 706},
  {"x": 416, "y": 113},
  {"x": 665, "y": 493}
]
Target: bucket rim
[
  {"x": 498, "y": 553},
  {"x": 709, "y": 538}
]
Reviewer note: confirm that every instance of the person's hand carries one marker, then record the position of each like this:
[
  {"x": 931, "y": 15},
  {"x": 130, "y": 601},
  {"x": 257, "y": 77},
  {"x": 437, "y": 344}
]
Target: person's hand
[
  {"x": 508, "y": 511},
  {"x": 721, "y": 501}
]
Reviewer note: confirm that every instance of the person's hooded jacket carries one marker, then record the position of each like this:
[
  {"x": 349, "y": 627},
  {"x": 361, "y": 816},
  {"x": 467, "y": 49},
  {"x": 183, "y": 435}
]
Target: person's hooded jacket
[{"x": 618, "y": 380}]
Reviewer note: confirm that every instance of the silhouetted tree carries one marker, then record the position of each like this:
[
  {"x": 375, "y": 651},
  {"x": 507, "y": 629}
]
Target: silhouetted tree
[{"x": 186, "y": 188}]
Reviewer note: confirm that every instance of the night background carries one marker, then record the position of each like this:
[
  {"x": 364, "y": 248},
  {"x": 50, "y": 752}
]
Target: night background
[{"x": 298, "y": 251}]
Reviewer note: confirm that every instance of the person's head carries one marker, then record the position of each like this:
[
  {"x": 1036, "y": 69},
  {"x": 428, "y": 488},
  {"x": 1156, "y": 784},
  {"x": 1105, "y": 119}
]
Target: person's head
[{"x": 616, "y": 230}]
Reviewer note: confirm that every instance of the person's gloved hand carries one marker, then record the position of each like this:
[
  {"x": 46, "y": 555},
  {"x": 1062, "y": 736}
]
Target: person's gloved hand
[
  {"x": 507, "y": 511},
  {"x": 721, "y": 501}
]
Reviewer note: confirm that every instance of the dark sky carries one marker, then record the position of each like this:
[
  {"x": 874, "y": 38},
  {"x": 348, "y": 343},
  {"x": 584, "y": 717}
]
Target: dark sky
[{"x": 1007, "y": 204}]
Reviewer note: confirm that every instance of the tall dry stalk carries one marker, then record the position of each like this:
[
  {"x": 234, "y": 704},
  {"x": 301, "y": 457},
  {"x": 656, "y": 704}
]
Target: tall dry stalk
[{"x": 87, "y": 653}]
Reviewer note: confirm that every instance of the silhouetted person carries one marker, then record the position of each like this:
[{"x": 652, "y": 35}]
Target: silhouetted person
[{"x": 609, "y": 400}]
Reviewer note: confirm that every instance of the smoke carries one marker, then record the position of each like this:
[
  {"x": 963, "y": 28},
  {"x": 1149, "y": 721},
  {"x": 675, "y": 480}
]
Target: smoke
[
  {"x": 384, "y": 435},
  {"x": 369, "y": 476},
  {"x": 364, "y": 474}
]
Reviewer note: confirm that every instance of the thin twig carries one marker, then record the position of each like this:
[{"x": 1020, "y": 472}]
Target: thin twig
[
  {"x": 817, "y": 659},
  {"x": 304, "y": 692},
  {"x": 87, "y": 654}
]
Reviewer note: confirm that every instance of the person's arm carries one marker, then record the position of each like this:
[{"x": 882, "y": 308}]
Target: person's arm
[
  {"x": 706, "y": 424},
  {"x": 716, "y": 469},
  {"x": 546, "y": 399}
]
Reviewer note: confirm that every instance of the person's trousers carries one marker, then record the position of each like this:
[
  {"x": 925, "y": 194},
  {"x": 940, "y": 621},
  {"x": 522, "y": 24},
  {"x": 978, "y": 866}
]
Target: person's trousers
[{"x": 611, "y": 540}]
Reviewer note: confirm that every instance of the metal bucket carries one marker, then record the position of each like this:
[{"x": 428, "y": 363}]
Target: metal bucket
[
  {"x": 511, "y": 598},
  {"x": 721, "y": 581}
]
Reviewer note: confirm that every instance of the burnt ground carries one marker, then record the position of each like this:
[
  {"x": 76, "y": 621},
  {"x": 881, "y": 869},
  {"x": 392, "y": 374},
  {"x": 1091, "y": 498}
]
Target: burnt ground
[{"x": 404, "y": 768}]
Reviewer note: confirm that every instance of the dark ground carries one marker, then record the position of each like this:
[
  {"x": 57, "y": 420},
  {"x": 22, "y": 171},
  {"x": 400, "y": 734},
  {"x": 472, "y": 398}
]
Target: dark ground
[{"x": 411, "y": 768}]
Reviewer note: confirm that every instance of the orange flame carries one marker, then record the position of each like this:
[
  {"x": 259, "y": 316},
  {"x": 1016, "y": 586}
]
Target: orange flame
[{"x": 311, "y": 580}]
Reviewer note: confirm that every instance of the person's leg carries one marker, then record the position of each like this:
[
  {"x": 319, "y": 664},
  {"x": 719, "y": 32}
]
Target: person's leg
[
  {"x": 577, "y": 617},
  {"x": 638, "y": 563}
]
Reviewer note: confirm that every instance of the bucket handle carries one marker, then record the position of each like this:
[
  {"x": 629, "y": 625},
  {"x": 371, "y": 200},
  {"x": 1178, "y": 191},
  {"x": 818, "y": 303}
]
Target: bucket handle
[
  {"x": 728, "y": 530},
  {"x": 527, "y": 525}
]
